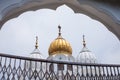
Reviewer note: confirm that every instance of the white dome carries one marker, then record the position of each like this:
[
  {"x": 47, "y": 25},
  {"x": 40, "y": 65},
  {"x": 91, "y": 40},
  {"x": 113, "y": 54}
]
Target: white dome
[
  {"x": 36, "y": 54},
  {"x": 86, "y": 56}
]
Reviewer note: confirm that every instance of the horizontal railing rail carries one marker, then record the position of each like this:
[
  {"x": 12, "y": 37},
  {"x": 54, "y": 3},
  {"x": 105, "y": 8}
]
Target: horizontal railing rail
[{"x": 14, "y": 67}]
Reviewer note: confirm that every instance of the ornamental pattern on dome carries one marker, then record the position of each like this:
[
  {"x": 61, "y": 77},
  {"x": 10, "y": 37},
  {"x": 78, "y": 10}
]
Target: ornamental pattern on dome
[{"x": 60, "y": 45}]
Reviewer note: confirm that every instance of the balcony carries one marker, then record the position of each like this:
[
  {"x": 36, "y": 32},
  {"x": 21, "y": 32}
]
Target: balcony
[{"x": 24, "y": 68}]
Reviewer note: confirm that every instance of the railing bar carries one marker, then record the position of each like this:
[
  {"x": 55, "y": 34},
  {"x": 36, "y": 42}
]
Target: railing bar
[
  {"x": 19, "y": 67},
  {"x": 5, "y": 61},
  {"x": 24, "y": 70},
  {"x": 1, "y": 59},
  {"x": 95, "y": 71},
  {"x": 91, "y": 71},
  {"x": 115, "y": 74},
  {"x": 87, "y": 71},
  {"x": 30, "y": 69},
  {"x": 60, "y": 62},
  {"x": 118, "y": 72},
  {"x": 10, "y": 61},
  {"x": 115, "y": 71},
  {"x": 107, "y": 72},
  {"x": 82, "y": 71},
  {"x": 40, "y": 66},
  {"x": 8, "y": 70},
  {"x": 14, "y": 70},
  {"x": 111, "y": 71},
  {"x": 102, "y": 74},
  {"x": 20, "y": 62},
  {"x": 40, "y": 71},
  {"x": 35, "y": 71},
  {"x": 100, "y": 71},
  {"x": 15, "y": 63},
  {"x": 4, "y": 68}
]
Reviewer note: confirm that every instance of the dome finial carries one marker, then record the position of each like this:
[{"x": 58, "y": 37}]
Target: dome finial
[
  {"x": 59, "y": 27},
  {"x": 84, "y": 44},
  {"x": 36, "y": 45}
]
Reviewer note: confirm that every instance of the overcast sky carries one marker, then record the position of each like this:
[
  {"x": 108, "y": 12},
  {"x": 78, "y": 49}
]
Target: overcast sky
[{"x": 17, "y": 36}]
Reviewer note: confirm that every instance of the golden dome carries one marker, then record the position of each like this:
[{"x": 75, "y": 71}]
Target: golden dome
[{"x": 60, "y": 45}]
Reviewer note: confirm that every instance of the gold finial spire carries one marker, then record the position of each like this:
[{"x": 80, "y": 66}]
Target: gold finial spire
[
  {"x": 36, "y": 45},
  {"x": 84, "y": 44},
  {"x": 59, "y": 27}
]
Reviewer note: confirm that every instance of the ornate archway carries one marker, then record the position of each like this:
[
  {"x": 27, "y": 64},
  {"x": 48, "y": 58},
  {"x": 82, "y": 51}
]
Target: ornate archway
[{"x": 103, "y": 11}]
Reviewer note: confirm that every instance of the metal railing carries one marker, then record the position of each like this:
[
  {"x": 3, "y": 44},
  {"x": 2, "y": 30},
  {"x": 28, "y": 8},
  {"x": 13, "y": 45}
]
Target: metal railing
[{"x": 25, "y": 68}]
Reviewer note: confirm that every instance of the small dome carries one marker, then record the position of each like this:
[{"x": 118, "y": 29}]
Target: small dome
[
  {"x": 86, "y": 56},
  {"x": 36, "y": 53},
  {"x": 60, "y": 46}
]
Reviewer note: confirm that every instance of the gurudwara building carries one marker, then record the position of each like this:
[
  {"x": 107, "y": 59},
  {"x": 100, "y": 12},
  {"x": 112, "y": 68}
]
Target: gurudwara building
[
  {"x": 60, "y": 64},
  {"x": 61, "y": 50}
]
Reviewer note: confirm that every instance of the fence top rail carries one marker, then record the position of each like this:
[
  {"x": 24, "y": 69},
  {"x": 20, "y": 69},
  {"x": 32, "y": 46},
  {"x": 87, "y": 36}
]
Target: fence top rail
[{"x": 56, "y": 62}]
